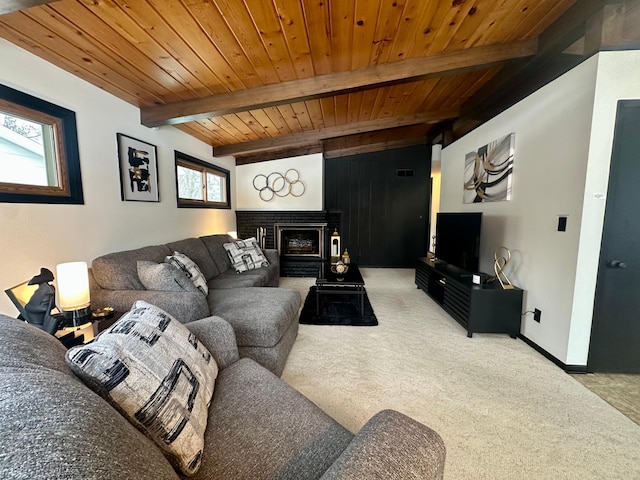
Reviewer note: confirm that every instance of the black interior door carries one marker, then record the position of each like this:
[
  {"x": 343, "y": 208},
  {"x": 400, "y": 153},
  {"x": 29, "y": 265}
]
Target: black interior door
[
  {"x": 615, "y": 334},
  {"x": 383, "y": 198}
]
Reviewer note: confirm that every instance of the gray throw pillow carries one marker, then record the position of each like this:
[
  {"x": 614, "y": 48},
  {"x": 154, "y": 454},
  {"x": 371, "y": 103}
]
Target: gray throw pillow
[
  {"x": 158, "y": 375},
  {"x": 190, "y": 268},
  {"x": 164, "y": 277},
  {"x": 245, "y": 255}
]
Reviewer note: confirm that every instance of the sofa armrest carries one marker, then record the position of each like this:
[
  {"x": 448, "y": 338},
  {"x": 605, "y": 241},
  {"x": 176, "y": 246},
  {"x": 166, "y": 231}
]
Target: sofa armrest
[
  {"x": 391, "y": 445},
  {"x": 274, "y": 267},
  {"x": 272, "y": 256},
  {"x": 217, "y": 336},
  {"x": 183, "y": 306}
]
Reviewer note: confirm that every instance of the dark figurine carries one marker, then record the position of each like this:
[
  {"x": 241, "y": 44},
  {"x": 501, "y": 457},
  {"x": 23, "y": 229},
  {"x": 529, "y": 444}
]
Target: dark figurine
[{"x": 38, "y": 308}]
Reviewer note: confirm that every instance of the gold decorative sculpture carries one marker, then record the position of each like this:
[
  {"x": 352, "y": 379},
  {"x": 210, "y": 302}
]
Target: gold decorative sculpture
[
  {"x": 339, "y": 268},
  {"x": 499, "y": 264}
]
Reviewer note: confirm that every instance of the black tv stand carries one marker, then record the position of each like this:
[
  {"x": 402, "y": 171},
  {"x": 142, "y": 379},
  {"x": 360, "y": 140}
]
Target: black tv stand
[{"x": 485, "y": 308}]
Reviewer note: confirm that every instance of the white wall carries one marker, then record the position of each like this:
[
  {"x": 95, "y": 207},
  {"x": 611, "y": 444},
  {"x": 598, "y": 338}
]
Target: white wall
[
  {"x": 35, "y": 235},
  {"x": 310, "y": 168},
  {"x": 552, "y": 128},
  {"x": 564, "y": 139},
  {"x": 618, "y": 77}
]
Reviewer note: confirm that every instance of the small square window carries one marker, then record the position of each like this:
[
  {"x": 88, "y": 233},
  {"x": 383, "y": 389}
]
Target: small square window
[
  {"x": 200, "y": 184},
  {"x": 39, "y": 158},
  {"x": 216, "y": 191},
  {"x": 189, "y": 183}
]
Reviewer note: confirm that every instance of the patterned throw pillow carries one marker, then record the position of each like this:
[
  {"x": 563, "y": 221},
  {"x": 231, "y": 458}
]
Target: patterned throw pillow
[
  {"x": 189, "y": 267},
  {"x": 164, "y": 277},
  {"x": 153, "y": 370},
  {"x": 245, "y": 255}
]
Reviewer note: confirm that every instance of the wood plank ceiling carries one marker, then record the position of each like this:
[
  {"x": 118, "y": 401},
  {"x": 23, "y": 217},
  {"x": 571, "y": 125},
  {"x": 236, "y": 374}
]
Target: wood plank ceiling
[{"x": 261, "y": 79}]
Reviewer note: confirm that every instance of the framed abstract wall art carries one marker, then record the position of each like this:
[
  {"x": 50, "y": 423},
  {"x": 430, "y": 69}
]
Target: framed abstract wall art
[
  {"x": 488, "y": 171},
  {"x": 138, "y": 170}
]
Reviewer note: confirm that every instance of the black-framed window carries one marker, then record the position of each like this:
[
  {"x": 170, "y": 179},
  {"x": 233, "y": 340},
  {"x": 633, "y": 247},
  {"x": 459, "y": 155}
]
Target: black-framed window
[
  {"x": 200, "y": 184},
  {"x": 39, "y": 158}
]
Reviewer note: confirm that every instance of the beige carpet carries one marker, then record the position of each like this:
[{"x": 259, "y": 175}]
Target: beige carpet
[{"x": 504, "y": 411}]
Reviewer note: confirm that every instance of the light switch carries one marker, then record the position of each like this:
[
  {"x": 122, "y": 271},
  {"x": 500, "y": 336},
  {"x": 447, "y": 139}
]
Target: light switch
[{"x": 562, "y": 224}]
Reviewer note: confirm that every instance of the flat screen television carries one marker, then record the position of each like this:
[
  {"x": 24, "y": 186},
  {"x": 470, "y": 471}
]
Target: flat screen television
[{"x": 458, "y": 239}]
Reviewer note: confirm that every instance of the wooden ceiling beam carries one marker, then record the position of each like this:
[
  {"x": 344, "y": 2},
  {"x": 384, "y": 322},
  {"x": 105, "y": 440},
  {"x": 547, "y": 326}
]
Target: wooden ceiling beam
[
  {"x": 606, "y": 29},
  {"x": 374, "y": 141},
  {"x": 375, "y": 147},
  {"x": 376, "y": 137},
  {"x": 8, "y": 6},
  {"x": 520, "y": 79},
  {"x": 569, "y": 27},
  {"x": 410, "y": 70},
  {"x": 278, "y": 154},
  {"x": 309, "y": 137}
]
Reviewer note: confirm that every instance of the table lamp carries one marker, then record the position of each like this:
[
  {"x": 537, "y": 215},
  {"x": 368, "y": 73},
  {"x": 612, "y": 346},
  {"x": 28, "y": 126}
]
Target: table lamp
[{"x": 73, "y": 292}]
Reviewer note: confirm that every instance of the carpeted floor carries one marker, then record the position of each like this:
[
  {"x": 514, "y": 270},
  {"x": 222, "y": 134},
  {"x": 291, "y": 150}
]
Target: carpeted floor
[{"x": 504, "y": 411}]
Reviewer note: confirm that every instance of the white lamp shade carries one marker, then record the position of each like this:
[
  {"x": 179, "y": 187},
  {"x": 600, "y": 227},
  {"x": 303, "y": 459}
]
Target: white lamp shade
[
  {"x": 73, "y": 285},
  {"x": 233, "y": 234}
]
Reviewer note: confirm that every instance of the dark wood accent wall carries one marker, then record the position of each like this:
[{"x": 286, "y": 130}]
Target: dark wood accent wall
[{"x": 384, "y": 201}]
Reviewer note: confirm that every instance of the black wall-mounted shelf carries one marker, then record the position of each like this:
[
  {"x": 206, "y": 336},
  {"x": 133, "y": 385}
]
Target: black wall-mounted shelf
[{"x": 485, "y": 308}]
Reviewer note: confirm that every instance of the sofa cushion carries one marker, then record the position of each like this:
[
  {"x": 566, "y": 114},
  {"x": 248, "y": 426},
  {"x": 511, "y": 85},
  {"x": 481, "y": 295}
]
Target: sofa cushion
[
  {"x": 230, "y": 279},
  {"x": 53, "y": 426},
  {"x": 273, "y": 270},
  {"x": 158, "y": 375},
  {"x": 119, "y": 271},
  {"x": 245, "y": 255},
  {"x": 301, "y": 441},
  {"x": 259, "y": 315},
  {"x": 190, "y": 268},
  {"x": 195, "y": 249},
  {"x": 24, "y": 345},
  {"x": 164, "y": 277},
  {"x": 214, "y": 244}
]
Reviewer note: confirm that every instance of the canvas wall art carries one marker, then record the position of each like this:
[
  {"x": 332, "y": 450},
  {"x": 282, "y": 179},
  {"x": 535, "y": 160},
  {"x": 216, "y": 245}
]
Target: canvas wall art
[
  {"x": 488, "y": 171},
  {"x": 138, "y": 170}
]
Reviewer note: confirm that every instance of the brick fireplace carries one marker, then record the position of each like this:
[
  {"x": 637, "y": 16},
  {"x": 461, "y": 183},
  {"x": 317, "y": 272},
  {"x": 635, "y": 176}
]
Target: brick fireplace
[
  {"x": 299, "y": 262},
  {"x": 300, "y": 240}
]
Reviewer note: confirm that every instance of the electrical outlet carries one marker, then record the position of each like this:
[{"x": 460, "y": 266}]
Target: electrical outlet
[{"x": 537, "y": 314}]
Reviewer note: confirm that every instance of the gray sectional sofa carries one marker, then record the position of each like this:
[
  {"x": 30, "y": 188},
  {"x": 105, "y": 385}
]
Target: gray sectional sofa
[
  {"x": 55, "y": 427},
  {"x": 264, "y": 318}
]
